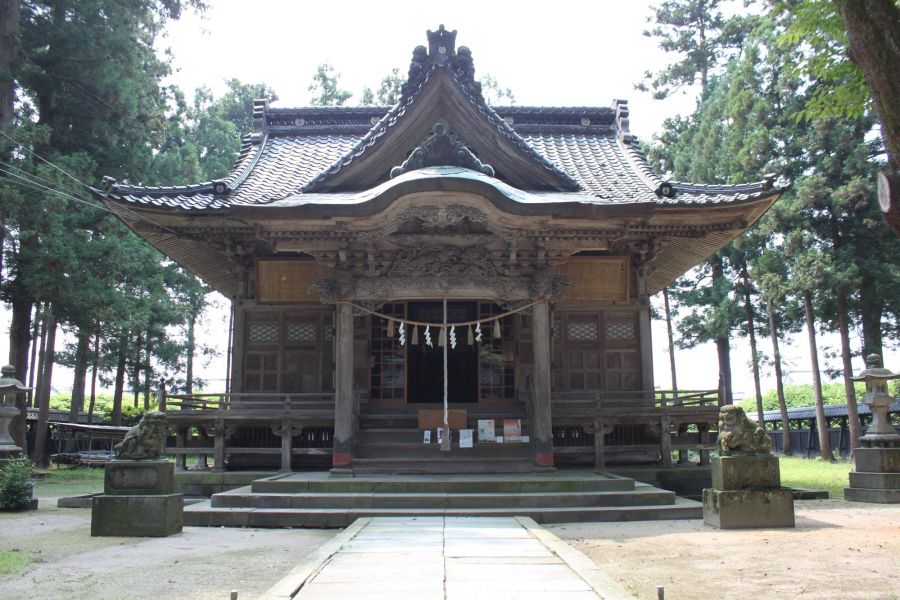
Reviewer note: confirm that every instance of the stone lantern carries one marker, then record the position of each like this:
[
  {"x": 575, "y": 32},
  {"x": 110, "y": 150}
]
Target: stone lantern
[
  {"x": 9, "y": 388},
  {"x": 877, "y": 474}
]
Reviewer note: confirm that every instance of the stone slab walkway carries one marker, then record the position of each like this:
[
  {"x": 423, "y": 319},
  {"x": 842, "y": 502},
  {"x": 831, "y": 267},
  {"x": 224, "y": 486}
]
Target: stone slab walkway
[{"x": 447, "y": 558}]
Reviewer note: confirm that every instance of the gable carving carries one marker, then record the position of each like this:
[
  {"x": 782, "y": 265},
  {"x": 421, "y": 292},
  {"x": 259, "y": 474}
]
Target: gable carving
[
  {"x": 443, "y": 261},
  {"x": 442, "y": 149}
]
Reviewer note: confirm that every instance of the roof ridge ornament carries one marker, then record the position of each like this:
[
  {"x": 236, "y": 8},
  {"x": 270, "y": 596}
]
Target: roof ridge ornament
[
  {"x": 441, "y": 52},
  {"x": 441, "y": 45},
  {"x": 442, "y": 149}
]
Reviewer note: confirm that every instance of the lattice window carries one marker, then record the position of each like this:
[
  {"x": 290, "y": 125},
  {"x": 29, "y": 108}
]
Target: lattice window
[
  {"x": 583, "y": 332},
  {"x": 620, "y": 331},
  {"x": 301, "y": 332},
  {"x": 263, "y": 333},
  {"x": 496, "y": 356},
  {"x": 388, "y": 376}
]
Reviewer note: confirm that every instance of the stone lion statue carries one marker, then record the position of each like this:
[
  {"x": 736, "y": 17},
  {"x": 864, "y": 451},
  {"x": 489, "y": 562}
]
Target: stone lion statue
[
  {"x": 145, "y": 440},
  {"x": 737, "y": 433}
]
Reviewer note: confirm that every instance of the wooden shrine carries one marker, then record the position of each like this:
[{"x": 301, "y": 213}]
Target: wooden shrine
[{"x": 545, "y": 227}]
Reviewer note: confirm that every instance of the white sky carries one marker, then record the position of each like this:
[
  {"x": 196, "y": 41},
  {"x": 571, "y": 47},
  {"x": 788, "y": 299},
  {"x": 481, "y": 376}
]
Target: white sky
[{"x": 564, "y": 53}]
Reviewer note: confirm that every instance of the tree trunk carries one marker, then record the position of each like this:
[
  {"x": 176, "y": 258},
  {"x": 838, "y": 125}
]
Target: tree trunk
[
  {"x": 76, "y": 402},
  {"x": 40, "y": 457},
  {"x": 136, "y": 372},
  {"x": 751, "y": 329},
  {"x": 42, "y": 347},
  {"x": 19, "y": 334},
  {"x": 33, "y": 355},
  {"x": 671, "y": 345},
  {"x": 10, "y": 51},
  {"x": 873, "y": 34},
  {"x": 119, "y": 390},
  {"x": 871, "y": 311},
  {"x": 821, "y": 421},
  {"x": 82, "y": 350},
  {"x": 779, "y": 382},
  {"x": 148, "y": 371},
  {"x": 846, "y": 356},
  {"x": 723, "y": 347},
  {"x": 191, "y": 344},
  {"x": 95, "y": 363}
]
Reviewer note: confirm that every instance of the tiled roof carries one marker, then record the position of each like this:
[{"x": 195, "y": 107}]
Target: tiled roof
[
  {"x": 831, "y": 410},
  {"x": 301, "y": 146}
]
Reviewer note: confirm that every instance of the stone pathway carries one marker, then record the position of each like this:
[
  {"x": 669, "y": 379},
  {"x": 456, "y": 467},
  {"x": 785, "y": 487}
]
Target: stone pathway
[{"x": 447, "y": 558}]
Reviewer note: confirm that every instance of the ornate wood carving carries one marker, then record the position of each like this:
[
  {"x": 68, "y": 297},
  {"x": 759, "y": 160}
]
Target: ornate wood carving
[
  {"x": 443, "y": 261},
  {"x": 596, "y": 277},
  {"x": 442, "y": 148}
]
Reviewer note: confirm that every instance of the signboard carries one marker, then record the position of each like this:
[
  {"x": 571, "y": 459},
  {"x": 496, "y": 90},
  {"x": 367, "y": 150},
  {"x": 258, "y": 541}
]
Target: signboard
[
  {"x": 596, "y": 278},
  {"x": 288, "y": 280}
]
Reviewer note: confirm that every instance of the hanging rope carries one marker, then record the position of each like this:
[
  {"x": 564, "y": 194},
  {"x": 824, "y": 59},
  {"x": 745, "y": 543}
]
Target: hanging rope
[
  {"x": 476, "y": 322},
  {"x": 446, "y": 411}
]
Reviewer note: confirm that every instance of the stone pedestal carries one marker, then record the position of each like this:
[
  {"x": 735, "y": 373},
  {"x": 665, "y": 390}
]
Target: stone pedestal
[
  {"x": 746, "y": 493},
  {"x": 138, "y": 500},
  {"x": 877, "y": 476}
]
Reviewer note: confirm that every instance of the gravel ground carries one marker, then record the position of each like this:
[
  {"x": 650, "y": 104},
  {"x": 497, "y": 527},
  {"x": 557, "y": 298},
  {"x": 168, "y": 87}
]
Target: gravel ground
[
  {"x": 839, "y": 550},
  {"x": 200, "y": 562}
]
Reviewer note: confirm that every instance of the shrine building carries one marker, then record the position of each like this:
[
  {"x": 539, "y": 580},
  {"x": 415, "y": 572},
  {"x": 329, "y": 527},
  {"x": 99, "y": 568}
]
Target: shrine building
[{"x": 440, "y": 261}]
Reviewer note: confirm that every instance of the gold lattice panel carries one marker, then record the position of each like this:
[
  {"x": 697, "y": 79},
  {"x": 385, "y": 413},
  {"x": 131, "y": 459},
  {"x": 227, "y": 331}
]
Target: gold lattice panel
[
  {"x": 288, "y": 280},
  {"x": 597, "y": 278}
]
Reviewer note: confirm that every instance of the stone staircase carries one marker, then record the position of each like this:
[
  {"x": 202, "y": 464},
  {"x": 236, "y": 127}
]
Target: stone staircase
[
  {"x": 390, "y": 443},
  {"x": 321, "y": 499}
]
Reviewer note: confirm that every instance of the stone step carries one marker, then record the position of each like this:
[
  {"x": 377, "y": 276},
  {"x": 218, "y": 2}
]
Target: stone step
[
  {"x": 642, "y": 496},
  {"x": 205, "y": 515},
  {"x": 399, "y": 449},
  {"x": 441, "y": 464},
  {"x": 315, "y": 482}
]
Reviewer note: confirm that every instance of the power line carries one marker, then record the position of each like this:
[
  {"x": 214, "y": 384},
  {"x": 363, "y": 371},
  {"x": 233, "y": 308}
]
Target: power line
[
  {"x": 127, "y": 211},
  {"x": 34, "y": 154},
  {"x": 35, "y": 185}
]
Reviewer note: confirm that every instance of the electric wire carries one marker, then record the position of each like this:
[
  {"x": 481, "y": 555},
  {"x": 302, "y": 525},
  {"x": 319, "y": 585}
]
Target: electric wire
[{"x": 125, "y": 212}]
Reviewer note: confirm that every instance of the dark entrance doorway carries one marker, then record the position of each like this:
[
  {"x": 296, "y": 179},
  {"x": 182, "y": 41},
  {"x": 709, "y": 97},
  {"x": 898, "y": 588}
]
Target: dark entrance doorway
[{"x": 425, "y": 366}]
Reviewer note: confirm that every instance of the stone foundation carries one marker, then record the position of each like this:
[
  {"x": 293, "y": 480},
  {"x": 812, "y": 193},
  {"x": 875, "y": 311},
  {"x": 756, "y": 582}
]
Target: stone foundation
[
  {"x": 747, "y": 493},
  {"x": 138, "y": 500},
  {"x": 745, "y": 509},
  {"x": 877, "y": 476}
]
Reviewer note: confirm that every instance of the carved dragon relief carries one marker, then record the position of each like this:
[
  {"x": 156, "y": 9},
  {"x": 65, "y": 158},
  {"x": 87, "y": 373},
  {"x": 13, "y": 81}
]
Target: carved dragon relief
[
  {"x": 441, "y": 149},
  {"x": 443, "y": 261}
]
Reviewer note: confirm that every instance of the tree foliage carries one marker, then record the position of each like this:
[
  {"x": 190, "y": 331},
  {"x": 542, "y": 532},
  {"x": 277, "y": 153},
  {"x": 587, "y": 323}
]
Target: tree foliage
[{"x": 325, "y": 87}]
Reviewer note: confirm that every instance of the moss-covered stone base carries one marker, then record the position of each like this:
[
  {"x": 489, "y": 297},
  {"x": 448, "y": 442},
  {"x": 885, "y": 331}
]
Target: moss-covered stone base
[
  {"x": 743, "y": 472},
  {"x": 747, "y": 509},
  {"x": 137, "y": 516}
]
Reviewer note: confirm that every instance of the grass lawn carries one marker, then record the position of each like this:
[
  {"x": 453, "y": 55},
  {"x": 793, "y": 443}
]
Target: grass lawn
[
  {"x": 56, "y": 482},
  {"x": 12, "y": 562},
  {"x": 815, "y": 474}
]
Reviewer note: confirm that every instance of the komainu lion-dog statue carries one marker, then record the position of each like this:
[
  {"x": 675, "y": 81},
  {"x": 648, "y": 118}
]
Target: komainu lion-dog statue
[
  {"x": 145, "y": 440},
  {"x": 737, "y": 433}
]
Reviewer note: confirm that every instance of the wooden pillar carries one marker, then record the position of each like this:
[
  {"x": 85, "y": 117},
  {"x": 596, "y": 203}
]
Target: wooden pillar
[
  {"x": 541, "y": 408},
  {"x": 180, "y": 442},
  {"x": 286, "y": 443},
  {"x": 219, "y": 446},
  {"x": 665, "y": 440},
  {"x": 238, "y": 331},
  {"x": 343, "y": 387},
  {"x": 646, "y": 341},
  {"x": 599, "y": 445},
  {"x": 704, "y": 443}
]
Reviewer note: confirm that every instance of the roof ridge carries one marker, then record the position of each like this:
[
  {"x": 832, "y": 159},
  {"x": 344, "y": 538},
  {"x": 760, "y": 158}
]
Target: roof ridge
[{"x": 222, "y": 186}]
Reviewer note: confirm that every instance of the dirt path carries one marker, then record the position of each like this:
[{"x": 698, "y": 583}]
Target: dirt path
[
  {"x": 839, "y": 550},
  {"x": 201, "y": 562}
]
